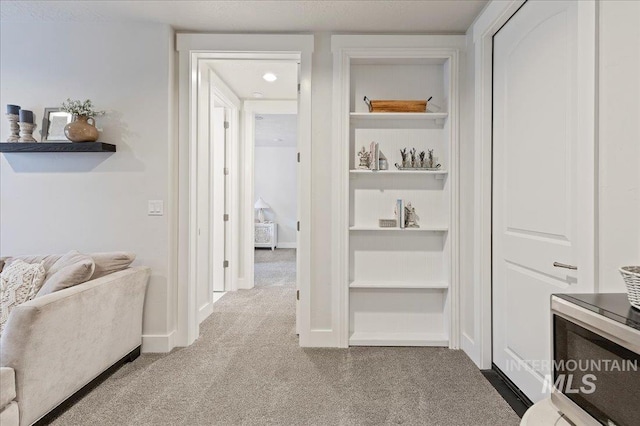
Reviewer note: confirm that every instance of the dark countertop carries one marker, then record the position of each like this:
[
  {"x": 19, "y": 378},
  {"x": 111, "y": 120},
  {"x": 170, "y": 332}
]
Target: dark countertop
[{"x": 614, "y": 306}]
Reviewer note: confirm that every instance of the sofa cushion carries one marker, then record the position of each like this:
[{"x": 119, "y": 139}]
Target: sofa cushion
[
  {"x": 110, "y": 262},
  {"x": 69, "y": 270},
  {"x": 7, "y": 386},
  {"x": 47, "y": 260},
  {"x": 19, "y": 283},
  {"x": 9, "y": 415}
]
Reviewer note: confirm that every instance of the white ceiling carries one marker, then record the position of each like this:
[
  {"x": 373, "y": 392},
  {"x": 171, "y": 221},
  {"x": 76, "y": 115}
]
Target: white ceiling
[
  {"x": 277, "y": 130},
  {"x": 244, "y": 77},
  {"x": 370, "y": 16}
]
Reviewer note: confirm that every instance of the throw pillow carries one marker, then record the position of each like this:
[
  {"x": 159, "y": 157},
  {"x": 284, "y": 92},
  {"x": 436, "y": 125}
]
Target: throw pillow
[
  {"x": 46, "y": 260},
  {"x": 110, "y": 262},
  {"x": 71, "y": 269},
  {"x": 19, "y": 283}
]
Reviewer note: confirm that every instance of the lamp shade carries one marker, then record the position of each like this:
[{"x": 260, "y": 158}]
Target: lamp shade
[{"x": 261, "y": 204}]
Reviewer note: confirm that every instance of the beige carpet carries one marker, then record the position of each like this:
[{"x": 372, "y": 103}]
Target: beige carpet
[{"x": 247, "y": 369}]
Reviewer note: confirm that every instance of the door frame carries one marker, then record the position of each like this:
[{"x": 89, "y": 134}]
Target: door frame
[
  {"x": 249, "y": 111},
  {"x": 193, "y": 48},
  {"x": 495, "y": 15}
]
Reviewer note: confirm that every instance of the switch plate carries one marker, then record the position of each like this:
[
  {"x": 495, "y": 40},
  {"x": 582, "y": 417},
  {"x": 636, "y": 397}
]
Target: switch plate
[{"x": 156, "y": 208}]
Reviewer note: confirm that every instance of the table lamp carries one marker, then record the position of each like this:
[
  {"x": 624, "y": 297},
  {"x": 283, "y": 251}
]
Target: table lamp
[{"x": 261, "y": 205}]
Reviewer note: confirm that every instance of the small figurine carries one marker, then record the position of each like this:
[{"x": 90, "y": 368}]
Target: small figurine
[
  {"x": 405, "y": 158},
  {"x": 421, "y": 156},
  {"x": 410, "y": 217},
  {"x": 414, "y": 163},
  {"x": 431, "y": 162},
  {"x": 365, "y": 159}
]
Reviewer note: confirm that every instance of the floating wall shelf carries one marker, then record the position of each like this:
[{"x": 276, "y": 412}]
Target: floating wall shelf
[{"x": 29, "y": 147}]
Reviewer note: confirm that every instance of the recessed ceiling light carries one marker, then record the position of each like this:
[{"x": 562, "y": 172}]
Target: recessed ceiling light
[
  {"x": 270, "y": 77},
  {"x": 278, "y": 140},
  {"x": 257, "y": 94}
]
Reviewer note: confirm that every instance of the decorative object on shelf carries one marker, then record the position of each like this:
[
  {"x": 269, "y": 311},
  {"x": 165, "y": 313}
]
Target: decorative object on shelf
[
  {"x": 26, "y": 132},
  {"x": 395, "y": 105},
  {"x": 53, "y": 124},
  {"x": 405, "y": 158},
  {"x": 14, "y": 128},
  {"x": 365, "y": 159},
  {"x": 261, "y": 205},
  {"x": 431, "y": 161},
  {"x": 387, "y": 223},
  {"x": 374, "y": 156},
  {"x": 631, "y": 275},
  {"x": 418, "y": 163},
  {"x": 421, "y": 156},
  {"x": 383, "y": 164},
  {"x": 411, "y": 219},
  {"x": 400, "y": 213},
  {"x": 414, "y": 161},
  {"x": 80, "y": 129}
]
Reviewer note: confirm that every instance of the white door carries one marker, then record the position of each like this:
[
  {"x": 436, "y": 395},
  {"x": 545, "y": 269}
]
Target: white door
[
  {"x": 543, "y": 178},
  {"x": 219, "y": 192}
]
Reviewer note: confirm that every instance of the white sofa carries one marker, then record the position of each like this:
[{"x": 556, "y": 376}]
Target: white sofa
[{"x": 56, "y": 344}]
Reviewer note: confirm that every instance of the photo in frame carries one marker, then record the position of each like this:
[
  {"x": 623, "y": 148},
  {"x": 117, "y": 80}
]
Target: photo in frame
[{"x": 53, "y": 123}]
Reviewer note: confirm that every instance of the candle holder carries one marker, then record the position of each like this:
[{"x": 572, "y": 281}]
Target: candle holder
[
  {"x": 13, "y": 128},
  {"x": 26, "y": 132}
]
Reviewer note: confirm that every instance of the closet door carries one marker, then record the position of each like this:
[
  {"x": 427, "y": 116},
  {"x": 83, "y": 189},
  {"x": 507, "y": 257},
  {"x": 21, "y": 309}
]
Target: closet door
[{"x": 543, "y": 178}]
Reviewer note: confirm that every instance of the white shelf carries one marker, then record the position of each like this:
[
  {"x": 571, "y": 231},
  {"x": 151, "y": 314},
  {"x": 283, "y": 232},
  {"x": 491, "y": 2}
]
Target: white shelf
[
  {"x": 398, "y": 339},
  {"x": 398, "y": 172},
  {"x": 421, "y": 229},
  {"x": 400, "y": 284},
  {"x": 399, "y": 115}
]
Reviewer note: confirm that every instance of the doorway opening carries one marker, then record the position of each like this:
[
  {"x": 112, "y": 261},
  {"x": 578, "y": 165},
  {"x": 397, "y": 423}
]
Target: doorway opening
[
  {"x": 247, "y": 140},
  {"x": 275, "y": 183}
]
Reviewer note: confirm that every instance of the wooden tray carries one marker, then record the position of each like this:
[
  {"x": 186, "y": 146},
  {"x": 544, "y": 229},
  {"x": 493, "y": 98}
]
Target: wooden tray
[{"x": 395, "y": 105}]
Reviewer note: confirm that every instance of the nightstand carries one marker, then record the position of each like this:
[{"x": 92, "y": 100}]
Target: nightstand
[{"x": 266, "y": 235}]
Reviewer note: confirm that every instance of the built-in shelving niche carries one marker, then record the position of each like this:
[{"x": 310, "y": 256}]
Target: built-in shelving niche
[{"x": 399, "y": 280}]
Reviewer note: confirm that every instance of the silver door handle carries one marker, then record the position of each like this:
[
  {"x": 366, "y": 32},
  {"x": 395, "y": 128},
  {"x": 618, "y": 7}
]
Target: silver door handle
[{"x": 564, "y": 265}]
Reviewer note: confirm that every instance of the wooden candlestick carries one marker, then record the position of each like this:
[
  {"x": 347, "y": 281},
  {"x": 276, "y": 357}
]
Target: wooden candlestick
[
  {"x": 26, "y": 132},
  {"x": 13, "y": 127}
]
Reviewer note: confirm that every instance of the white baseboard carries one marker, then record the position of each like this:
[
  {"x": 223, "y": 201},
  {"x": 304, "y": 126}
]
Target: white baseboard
[
  {"x": 287, "y": 245},
  {"x": 321, "y": 339},
  {"x": 242, "y": 285},
  {"x": 468, "y": 345},
  {"x": 158, "y": 343},
  {"x": 204, "y": 312}
]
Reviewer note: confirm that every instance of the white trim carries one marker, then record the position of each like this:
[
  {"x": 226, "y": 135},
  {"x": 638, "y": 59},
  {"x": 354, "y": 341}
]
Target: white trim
[
  {"x": 487, "y": 24},
  {"x": 205, "y": 310},
  {"x": 192, "y": 47},
  {"x": 494, "y": 16},
  {"x": 286, "y": 245},
  {"x": 158, "y": 343},
  {"x": 344, "y": 49},
  {"x": 249, "y": 110}
]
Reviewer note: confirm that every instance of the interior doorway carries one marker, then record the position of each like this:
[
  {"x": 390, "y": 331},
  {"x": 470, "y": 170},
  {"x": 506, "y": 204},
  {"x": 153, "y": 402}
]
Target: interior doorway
[
  {"x": 234, "y": 96},
  {"x": 275, "y": 192}
]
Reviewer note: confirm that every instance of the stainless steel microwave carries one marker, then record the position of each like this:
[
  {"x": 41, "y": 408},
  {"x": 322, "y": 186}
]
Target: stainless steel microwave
[{"x": 595, "y": 359}]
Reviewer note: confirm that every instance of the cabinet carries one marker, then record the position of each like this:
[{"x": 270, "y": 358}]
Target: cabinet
[
  {"x": 399, "y": 284},
  {"x": 266, "y": 235}
]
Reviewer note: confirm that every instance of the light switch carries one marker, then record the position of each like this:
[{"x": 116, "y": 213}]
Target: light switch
[{"x": 156, "y": 208}]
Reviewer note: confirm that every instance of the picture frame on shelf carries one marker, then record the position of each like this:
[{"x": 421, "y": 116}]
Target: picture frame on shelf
[{"x": 53, "y": 122}]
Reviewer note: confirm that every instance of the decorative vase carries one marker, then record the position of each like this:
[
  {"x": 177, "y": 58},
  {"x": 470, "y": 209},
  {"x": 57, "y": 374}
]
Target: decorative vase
[{"x": 81, "y": 130}]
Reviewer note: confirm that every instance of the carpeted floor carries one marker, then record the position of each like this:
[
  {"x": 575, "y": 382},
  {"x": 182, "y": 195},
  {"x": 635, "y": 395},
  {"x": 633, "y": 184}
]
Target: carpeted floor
[
  {"x": 247, "y": 369},
  {"x": 275, "y": 268}
]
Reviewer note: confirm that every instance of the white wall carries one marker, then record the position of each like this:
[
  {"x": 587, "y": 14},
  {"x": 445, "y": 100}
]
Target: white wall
[
  {"x": 52, "y": 203},
  {"x": 619, "y": 141},
  {"x": 321, "y": 184},
  {"x": 275, "y": 180}
]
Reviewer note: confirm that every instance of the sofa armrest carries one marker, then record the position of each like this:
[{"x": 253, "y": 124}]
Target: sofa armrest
[
  {"x": 59, "y": 342},
  {"x": 7, "y": 386}
]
